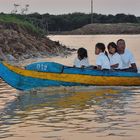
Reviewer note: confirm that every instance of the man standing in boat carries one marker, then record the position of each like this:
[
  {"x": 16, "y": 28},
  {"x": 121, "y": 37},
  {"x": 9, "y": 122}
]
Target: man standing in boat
[{"x": 128, "y": 61}]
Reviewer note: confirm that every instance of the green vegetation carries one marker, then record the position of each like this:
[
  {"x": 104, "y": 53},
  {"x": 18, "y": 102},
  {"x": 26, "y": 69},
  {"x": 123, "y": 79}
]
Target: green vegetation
[
  {"x": 46, "y": 23},
  {"x": 68, "y": 22},
  {"x": 20, "y": 20}
]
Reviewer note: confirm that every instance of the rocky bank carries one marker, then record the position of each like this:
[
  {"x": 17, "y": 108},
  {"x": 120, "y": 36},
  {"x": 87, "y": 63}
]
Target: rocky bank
[{"x": 21, "y": 43}]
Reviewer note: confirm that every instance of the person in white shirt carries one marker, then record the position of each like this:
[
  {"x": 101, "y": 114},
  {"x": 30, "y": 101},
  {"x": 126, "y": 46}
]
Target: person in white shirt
[
  {"x": 114, "y": 57},
  {"x": 128, "y": 61},
  {"x": 82, "y": 58},
  {"x": 102, "y": 61}
]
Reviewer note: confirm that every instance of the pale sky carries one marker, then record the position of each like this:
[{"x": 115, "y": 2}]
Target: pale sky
[{"x": 70, "y": 6}]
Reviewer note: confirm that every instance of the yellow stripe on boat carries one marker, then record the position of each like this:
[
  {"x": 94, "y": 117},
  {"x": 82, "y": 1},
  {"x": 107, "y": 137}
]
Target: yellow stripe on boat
[{"x": 77, "y": 78}]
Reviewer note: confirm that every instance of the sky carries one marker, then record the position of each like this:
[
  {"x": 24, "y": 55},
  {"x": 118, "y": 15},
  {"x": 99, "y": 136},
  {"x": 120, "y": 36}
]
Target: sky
[{"x": 69, "y": 6}]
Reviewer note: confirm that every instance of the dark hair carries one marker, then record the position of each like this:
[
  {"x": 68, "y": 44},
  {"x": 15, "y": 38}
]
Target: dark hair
[
  {"x": 120, "y": 40},
  {"x": 113, "y": 45},
  {"x": 101, "y": 46},
  {"x": 82, "y": 53}
]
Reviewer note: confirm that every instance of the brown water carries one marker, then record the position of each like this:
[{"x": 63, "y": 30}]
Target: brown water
[{"x": 73, "y": 113}]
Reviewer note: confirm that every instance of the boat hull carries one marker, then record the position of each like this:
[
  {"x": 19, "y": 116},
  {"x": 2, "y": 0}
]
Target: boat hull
[{"x": 23, "y": 79}]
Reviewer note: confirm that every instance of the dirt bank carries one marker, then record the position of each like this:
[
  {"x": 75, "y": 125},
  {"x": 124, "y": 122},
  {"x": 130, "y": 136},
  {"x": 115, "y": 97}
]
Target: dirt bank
[
  {"x": 119, "y": 28},
  {"x": 21, "y": 43}
]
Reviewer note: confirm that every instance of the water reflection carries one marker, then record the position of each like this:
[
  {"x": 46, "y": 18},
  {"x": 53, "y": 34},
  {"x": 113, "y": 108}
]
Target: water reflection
[
  {"x": 7, "y": 95},
  {"x": 76, "y": 113},
  {"x": 49, "y": 114}
]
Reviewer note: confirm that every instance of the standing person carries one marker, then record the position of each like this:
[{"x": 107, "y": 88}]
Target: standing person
[
  {"x": 102, "y": 61},
  {"x": 82, "y": 58},
  {"x": 114, "y": 57},
  {"x": 128, "y": 61}
]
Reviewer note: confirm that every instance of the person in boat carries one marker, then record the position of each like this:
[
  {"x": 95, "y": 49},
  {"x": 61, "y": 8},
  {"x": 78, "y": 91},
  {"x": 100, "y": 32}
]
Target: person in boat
[
  {"x": 81, "y": 60},
  {"x": 102, "y": 60},
  {"x": 128, "y": 60},
  {"x": 114, "y": 57}
]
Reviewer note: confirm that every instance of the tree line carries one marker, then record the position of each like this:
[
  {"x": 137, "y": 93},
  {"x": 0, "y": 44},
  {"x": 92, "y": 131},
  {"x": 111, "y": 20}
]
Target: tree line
[{"x": 71, "y": 21}]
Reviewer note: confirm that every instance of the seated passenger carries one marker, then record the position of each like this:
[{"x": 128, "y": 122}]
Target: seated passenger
[
  {"x": 102, "y": 60},
  {"x": 82, "y": 58},
  {"x": 114, "y": 57},
  {"x": 128, "y": 61}
]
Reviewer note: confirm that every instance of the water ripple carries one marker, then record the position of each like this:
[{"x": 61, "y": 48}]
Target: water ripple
[{"x": 105, "y": 112}]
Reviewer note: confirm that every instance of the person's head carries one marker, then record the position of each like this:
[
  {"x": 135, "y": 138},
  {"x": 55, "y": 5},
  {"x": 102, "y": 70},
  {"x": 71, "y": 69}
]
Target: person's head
[
  {"x": 120, "y": 46},
  {"x": 82, "y": 53},
  {"x": 112, "y": 48},
  {"x": 99, "y": 47}
]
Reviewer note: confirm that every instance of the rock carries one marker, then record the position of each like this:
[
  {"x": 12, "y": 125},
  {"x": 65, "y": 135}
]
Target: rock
[{"x": 10, "y": 57}]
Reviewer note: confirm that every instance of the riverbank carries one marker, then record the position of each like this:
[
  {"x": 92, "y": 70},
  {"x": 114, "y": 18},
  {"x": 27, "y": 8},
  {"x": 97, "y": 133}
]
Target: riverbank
[
  {"x": 19, "y": 42},
  {"x": 117, "y": 28}
]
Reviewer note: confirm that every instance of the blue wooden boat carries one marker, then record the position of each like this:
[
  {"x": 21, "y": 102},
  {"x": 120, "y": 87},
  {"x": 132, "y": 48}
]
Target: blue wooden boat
[{"x": 45, "y": 74}]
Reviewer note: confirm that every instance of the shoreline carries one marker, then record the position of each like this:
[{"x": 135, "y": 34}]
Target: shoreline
[{"x": 17, "y": 43}]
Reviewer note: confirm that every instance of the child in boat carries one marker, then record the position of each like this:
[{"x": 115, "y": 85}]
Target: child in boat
[
  {"x": 114, "y": 57},
  {"x": 102, "y": 60},
  {"x": 82, "y": 58}
]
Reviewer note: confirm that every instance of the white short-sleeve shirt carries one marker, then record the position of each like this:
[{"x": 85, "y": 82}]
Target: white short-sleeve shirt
[
  {"x": 79, "y": 63},
  {"x": 127, "y": 59},
  {"x": 115, "y": 59},
  {"x": 103, "y": 61}
]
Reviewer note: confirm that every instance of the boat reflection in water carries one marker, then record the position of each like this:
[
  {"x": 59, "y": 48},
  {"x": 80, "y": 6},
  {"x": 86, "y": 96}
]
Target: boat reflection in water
[{"x": 75, "y": 112}]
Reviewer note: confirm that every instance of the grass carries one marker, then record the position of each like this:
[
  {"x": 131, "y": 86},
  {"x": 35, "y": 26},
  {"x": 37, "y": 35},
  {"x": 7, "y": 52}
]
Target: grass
[{"x": 17, "y": 19}]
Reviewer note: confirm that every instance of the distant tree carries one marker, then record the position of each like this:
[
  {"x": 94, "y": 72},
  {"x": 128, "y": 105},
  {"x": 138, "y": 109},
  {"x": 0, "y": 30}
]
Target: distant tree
[
  {"x": 132, "y": 19},
  {"x": 71, "y": 21}
]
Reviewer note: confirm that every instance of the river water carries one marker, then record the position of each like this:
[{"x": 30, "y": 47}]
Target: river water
[{"x": 73, "y": 113}]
